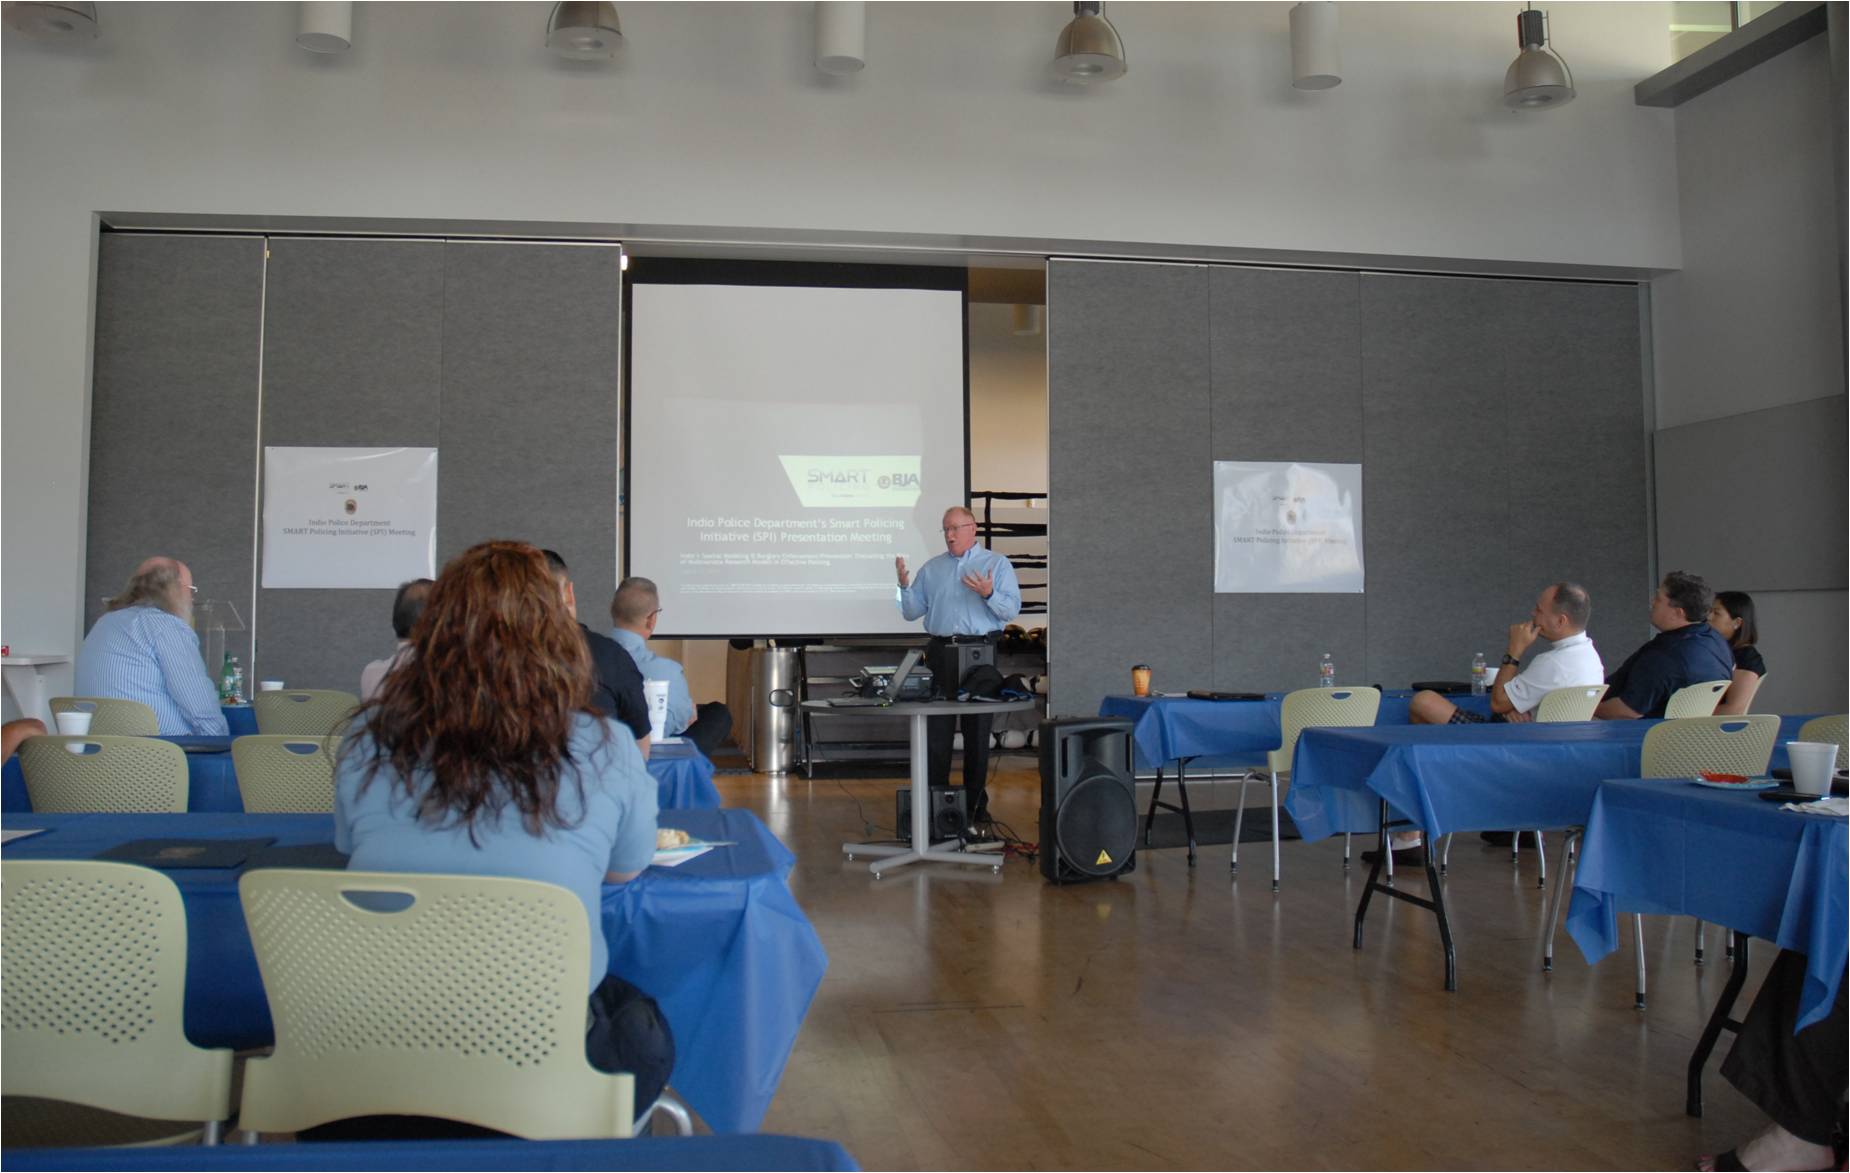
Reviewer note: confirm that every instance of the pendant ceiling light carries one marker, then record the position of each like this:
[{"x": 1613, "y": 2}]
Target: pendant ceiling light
[
  {"x": 324, "y": 27},
  {"x": 841, "y": 36},
  {"x": 582, "y": 31},
  {"x": 72, "y": 22},
  {"x": 1538, "y": 79},
  {"x": 1316, "y": 53},
  {"x": 1089, "y": 49}
]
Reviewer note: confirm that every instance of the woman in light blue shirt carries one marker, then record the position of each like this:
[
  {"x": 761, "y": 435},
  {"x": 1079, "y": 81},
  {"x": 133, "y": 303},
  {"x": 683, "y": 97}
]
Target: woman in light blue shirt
[{"x": 481, "y": 755}]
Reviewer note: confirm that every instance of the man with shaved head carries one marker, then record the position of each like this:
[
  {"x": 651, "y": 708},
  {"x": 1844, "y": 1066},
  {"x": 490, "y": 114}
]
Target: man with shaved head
[
  {"x": 143, "y": 649},
  {"x": 964, "y": 595}
]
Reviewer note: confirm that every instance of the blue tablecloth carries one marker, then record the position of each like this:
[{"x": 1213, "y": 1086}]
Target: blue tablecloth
[
  {"x": 1229, "y": 733},
  {"x": 683, "y": 779},
  {"x": 1670, "y": 847},
  {"x": 1450, "y": 778},
  {"x": 240, "y": 719},
  {"x": 793, "y": 1153},
  {"x": 719, "y": 941}
]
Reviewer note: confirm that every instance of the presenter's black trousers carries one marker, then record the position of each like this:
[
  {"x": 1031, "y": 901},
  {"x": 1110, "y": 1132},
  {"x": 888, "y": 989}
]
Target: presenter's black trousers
[{"x": 941, "y": 657}]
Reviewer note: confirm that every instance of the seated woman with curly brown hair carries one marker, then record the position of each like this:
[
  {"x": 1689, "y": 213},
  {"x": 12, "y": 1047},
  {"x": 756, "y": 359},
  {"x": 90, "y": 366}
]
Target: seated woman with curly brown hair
[{"x": 480, "y": 755}]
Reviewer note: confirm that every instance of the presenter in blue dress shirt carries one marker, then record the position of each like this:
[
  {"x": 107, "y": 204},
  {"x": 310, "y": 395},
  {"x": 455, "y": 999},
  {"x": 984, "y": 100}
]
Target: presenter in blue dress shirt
[
  {"x": 964, "y": 595},
  {"x": 144, "y": 649}
]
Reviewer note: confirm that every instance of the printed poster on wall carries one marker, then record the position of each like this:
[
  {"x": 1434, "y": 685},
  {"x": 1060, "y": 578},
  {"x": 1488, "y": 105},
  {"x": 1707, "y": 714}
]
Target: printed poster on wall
[
  {"x": 1287, "y": 528},
  {"x": 349, "y": 517}
]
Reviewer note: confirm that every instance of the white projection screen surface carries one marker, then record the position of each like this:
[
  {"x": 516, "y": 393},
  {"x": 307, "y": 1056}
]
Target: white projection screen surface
[{"x": 786, "y": 443}]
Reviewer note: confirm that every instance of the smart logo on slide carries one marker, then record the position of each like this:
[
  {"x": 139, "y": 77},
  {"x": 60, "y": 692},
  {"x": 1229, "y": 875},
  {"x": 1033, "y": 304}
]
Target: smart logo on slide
[{"x": 854, "y": 482}]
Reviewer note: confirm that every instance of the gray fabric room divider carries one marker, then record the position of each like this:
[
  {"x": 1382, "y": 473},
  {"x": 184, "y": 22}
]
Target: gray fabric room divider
[
  {"x": 502, "y": 356},
  {"x": 173, "y": 414},
  {"x": 1499, "y": 424}
]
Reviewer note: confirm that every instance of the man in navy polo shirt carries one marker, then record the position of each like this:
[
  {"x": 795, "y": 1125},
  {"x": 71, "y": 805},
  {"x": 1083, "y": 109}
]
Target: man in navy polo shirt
[{"x": 1681, "y": 654}]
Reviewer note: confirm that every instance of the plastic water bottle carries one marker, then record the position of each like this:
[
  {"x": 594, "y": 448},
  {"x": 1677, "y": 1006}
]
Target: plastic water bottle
[
  {"x": 1326, "y": 672},
  {"x": 1479, "y": 675},
  {"x": 225, "y": 680},
  {"x": 237, "y": 682}
]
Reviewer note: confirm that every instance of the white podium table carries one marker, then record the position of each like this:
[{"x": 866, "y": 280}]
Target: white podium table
[
  {"x": 25, "y": 679},
  {"x": 887, "y": 856}
]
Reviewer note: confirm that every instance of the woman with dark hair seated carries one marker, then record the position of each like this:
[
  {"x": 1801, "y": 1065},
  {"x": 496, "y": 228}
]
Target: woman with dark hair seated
[
  {"x": 480, "y": 755},
  {"x": 1733, "y": 616}
]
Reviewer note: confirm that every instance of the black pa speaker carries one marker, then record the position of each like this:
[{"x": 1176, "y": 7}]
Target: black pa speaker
[
  {"x": 1088, "y": 800},
  {"x": 950, "y": 813}
]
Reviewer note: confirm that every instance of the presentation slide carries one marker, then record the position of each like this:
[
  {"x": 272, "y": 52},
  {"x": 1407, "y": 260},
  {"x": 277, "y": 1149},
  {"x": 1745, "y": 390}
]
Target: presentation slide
[{"x": 786, "y": 444}]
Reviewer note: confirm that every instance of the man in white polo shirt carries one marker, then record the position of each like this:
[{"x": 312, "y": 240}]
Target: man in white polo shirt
[{"x": 1560, "y": 617}]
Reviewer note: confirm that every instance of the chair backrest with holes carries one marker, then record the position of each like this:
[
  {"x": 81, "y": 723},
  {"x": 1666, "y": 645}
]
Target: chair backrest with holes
[
  {"x": 1309, "y": 708},
  {"x": 281, "y": 774},
  {"x": 1724, "y": 745},
  {"x": 1828, "y": 729},
  {"x": 304, "y": 712},
  {"x": 107, "y": 774},
  {"x": 110, "y": 714},
  {"x": 1697, "y": 700},
  {"x": 94, "y": 992},
  {"x": 461, "y": 997},
  {"x": 1576, "y": 702}
]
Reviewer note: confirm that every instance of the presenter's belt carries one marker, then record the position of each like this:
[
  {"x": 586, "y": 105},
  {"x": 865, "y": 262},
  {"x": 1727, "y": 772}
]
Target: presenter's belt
[{"x": 988, "y": 637}]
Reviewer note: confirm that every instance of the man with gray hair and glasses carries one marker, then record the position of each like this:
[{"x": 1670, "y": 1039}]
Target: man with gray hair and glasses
[{"x": 144, "y": 649}]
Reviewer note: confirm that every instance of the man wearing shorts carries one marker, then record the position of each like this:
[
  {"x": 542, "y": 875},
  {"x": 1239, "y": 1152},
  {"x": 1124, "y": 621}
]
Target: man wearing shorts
[{"x": 1560, "y": 617}]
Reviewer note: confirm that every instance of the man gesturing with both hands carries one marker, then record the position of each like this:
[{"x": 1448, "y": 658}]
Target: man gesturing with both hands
[{"x": 964, "y": 595}]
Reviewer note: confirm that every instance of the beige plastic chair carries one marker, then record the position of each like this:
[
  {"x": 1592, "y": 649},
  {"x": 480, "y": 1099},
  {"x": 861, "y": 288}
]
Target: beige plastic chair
[
  {"x": 1829, "y": 729},
  {"x": 1682, "y": 748},
  {"x": 112, "y": 774},
  {"x": 467, "y": 1004},
  {"x": 1307, "y": 708},
  {"x": 1576, "y": 702},
  {"x": 279, "y": 774},
  {"x": 304, "y": 712},
  {"x": 109, "y": 715},
  {"x": 1697, "y": 700},
  {"x": 94, "y": 989}
]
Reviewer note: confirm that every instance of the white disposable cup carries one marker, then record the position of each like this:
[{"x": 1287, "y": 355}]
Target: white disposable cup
[
  {"x": 270, "y": 686},
  {"x": 656, "y": 693},
  {"x": 74, "y": 724},
  {"x": 1812, "y": 763}
]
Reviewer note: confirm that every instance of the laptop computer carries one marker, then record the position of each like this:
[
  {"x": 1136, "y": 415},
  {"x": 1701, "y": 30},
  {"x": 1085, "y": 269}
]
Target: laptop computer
[{"x": 893, "y": 686}]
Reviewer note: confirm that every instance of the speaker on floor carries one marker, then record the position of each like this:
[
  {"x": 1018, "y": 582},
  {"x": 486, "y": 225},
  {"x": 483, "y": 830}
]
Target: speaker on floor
[
  {"x": 950, "y": 812},
  {"x": 1088, "y": 799}
]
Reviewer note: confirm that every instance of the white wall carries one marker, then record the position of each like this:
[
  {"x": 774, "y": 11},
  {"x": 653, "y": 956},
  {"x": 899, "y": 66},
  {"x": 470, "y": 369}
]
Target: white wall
[
  {"x": 714, "y": 117},
  {"x": 1755, "y": 318}
]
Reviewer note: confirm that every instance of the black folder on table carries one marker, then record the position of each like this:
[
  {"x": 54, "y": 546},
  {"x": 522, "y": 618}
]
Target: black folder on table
[
  {"x": 185, "y": 853},
  {"x": 323, "y": 856}
]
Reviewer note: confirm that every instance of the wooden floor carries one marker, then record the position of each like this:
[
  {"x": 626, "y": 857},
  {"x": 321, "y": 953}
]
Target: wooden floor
[{"x": 1176, "y": 1019}]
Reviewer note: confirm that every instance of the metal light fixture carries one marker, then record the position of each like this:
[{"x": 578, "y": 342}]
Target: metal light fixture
[
  {"x": 66, "y": 22},
  {"x": 324, "y": 26},
  {"x": 1538, "y": 79},
  {"x": 1316, "y": 53},
  {"x": 841, "y": 36},
  {"x": 583, "y": 31},
  {"x": 1089, "y": 49}
]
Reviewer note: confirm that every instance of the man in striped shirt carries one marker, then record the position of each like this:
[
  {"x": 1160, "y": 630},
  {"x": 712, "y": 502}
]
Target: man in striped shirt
[{"x": 143, "y": 649}]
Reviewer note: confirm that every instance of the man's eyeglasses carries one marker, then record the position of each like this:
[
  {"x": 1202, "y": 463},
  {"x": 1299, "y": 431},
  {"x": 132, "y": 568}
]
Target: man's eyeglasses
[
  {"x": 191, "y": 587},
  {"x": 951, "y": 529}
]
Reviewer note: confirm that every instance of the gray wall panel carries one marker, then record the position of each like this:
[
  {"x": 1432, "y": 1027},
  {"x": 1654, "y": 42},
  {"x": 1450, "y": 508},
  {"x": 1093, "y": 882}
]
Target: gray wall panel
[
  {"x": 530, "y": 368},
  {"x": 1747, "y": 522},
  {"x": 1577, "y": 491},
  {"x": 1128, "y": 472},
  {"x": 174, "y": 413},
  {"x": 1435, "y": 485},
  {"x": 353, "y": 355},
  {"x": 1286, "y": 386}
]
